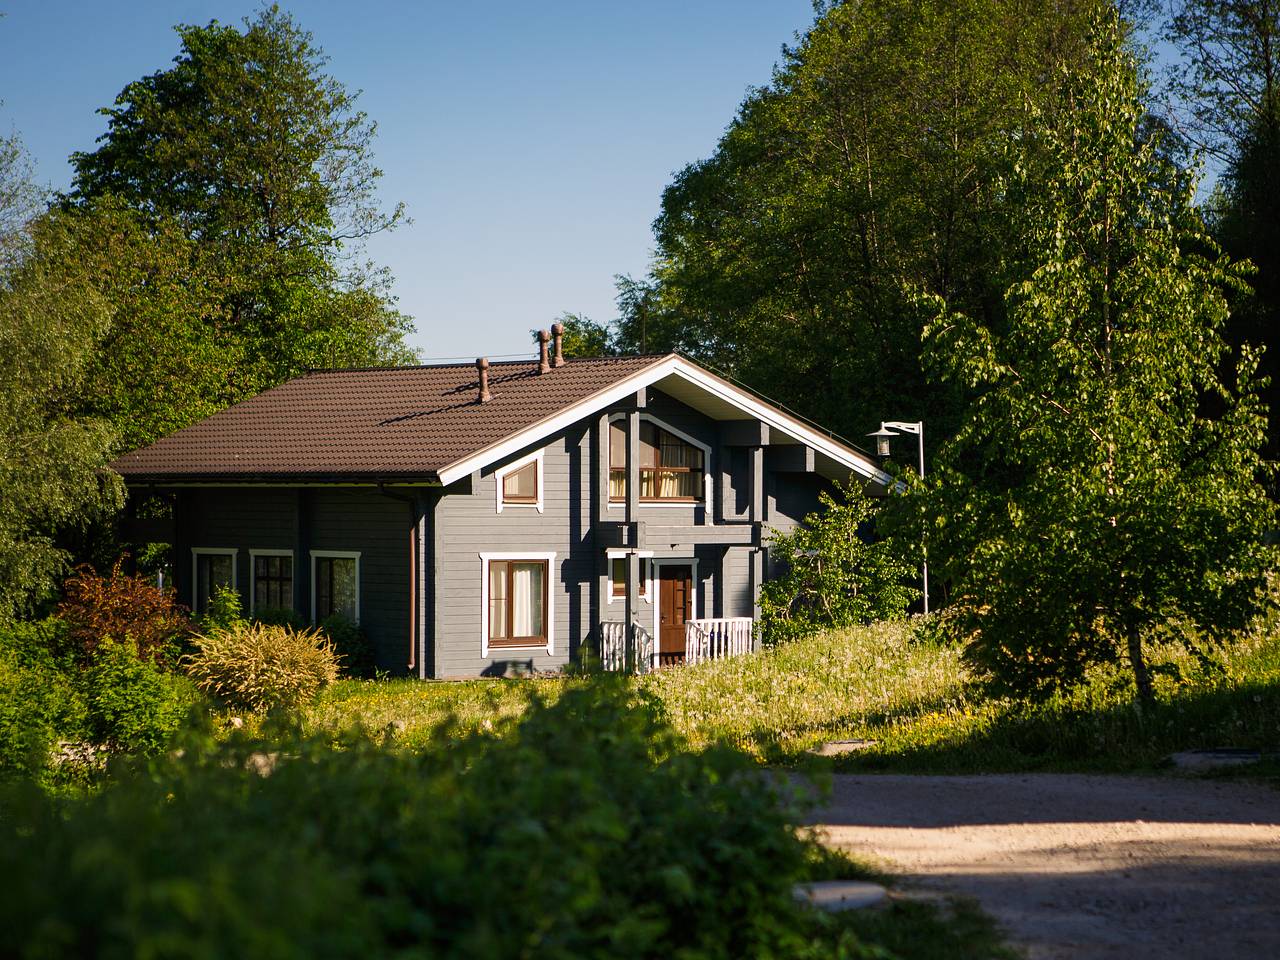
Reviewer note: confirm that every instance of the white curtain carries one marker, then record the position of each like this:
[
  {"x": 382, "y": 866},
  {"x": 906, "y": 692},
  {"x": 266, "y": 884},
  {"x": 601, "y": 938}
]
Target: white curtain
[{"x": 526, "y": 599}]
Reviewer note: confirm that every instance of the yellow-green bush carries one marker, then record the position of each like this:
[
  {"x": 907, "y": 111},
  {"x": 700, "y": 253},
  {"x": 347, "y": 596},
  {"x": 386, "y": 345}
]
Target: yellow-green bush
[{"x": 260, "y": 666}]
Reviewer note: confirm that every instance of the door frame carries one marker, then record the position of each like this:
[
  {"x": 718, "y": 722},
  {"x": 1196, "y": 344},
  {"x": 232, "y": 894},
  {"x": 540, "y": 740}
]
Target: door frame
[{"x": 656, "y": 592}]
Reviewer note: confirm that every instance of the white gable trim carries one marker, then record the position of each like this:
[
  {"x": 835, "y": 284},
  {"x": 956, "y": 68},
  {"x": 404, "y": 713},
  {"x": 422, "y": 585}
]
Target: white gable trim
[{"x": 686, "y": 370}]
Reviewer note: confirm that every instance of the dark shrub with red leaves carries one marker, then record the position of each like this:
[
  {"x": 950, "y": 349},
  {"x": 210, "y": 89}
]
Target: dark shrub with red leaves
[{"x": 119, "y": 606}]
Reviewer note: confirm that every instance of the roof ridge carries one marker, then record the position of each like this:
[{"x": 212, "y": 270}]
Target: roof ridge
[{"x": 532, "y": 359}]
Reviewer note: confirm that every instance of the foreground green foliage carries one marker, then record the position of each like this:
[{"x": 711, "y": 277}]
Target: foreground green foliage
[
  {"x": 834, "y": 577},
  {"x": 586, "y": 830},
  {"x": 1104, "y": 493}
]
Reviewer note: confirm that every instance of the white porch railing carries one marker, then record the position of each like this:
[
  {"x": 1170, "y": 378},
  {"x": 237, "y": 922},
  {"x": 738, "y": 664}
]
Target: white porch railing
[
  {"x": 716, "y": 639},
  {"x": 616, "y": 654}
]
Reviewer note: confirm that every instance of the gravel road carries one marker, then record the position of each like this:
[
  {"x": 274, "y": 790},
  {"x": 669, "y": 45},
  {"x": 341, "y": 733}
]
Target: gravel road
[{"x": 1083, "y": 866}]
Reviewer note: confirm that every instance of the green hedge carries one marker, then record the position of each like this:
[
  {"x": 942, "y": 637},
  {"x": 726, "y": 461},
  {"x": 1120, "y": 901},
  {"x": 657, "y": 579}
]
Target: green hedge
[
  {"x": 585, "y": 831},
  {"x": 52, "y": 691}
]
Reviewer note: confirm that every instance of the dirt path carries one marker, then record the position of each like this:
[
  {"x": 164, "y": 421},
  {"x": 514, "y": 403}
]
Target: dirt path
[{"x": 1083, "y": 866}]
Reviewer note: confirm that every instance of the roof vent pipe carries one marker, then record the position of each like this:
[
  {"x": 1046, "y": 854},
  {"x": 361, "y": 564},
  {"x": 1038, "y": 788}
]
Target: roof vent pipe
[
  {"x": 482, "y": 367},
  {"x": 544, "y": 365},
  {"x": 557, "y": 336}
]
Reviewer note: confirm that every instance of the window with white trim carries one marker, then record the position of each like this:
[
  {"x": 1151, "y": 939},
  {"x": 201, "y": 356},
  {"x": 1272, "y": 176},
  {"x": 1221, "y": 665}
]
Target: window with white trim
[
  {"x": 517, "y": 601},
  {"x": 212, "y": 567},
  {"x": 335, "y": 585},
  {"x": 521, "y": 486},
  {"x": 618, "y": 577},
  {"x": 520, "y": 483},
  {"x": 271, "y": 587}
]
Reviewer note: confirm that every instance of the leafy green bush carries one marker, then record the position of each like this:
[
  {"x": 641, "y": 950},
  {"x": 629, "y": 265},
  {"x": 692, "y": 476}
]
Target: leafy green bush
[
  {"x": 134, "y": 707},
  {"x": 587, "y": 830},
  {"x": 280, "y": 617},
  {"x": 223, "y": 611},
  {"x": 258, "y": 666},
  {"x": 833, "y": 575},
  {"x": 351, "y": 645},
  {"x": 39, "y": 704}
]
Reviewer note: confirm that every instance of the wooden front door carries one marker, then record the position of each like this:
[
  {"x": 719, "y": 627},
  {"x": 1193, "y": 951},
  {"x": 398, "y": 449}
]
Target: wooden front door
[{"x": 675, "y": 606}]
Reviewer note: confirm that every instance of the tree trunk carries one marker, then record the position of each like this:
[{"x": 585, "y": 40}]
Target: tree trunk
[{"x": 1141, "y": 674}]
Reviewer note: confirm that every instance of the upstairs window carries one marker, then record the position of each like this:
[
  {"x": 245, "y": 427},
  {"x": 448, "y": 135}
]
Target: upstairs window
[
  {"x": 520, "y": 483},
  {"x": 521, "y": 486},
  {"x": 671, "y": 469}
]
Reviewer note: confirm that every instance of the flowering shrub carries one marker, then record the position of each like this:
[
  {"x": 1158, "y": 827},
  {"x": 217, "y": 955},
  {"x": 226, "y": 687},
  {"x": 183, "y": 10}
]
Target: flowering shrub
[
  {"x": 261, "y": 666},
  {"x": 119, "y": 606}
]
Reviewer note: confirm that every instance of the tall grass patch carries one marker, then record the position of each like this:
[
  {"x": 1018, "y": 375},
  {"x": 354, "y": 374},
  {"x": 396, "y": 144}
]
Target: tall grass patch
[{"x": 790, "y": 696}]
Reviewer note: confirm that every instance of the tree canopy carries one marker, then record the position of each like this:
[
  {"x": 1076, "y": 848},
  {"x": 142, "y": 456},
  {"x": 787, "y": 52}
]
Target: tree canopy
[
  {"x": 1103, "y": 490},
  {"x": 52, "y": 317},
  {"x": 236, "y": 186},
  {"x": 1226, "y": 98},
  {"x": 865, "y": 168}
]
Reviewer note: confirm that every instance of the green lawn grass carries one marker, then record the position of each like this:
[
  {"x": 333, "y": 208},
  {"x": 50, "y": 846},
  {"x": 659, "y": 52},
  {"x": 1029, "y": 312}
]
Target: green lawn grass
[{"x": 883, "y": 683}]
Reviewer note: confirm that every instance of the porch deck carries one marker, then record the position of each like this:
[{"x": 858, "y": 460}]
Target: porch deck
[{"x": 708, "y": 639}]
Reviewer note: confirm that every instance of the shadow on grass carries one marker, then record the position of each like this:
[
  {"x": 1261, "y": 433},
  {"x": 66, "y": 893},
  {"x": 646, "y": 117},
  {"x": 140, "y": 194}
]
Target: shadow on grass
[{"x": 1066, "y": 735}]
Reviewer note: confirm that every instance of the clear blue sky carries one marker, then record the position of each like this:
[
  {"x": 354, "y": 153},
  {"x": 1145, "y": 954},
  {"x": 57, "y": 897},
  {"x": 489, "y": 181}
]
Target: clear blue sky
[{"x": 530, "y": 141}]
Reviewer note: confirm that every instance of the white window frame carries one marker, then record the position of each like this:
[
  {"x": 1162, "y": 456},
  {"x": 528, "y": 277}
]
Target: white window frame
[
  {"x": 337, "y": 555},
  {"x": 646, "y": 573},
  {"x": 657, "y": 613},
  {"x": 708, "y": 485},
  {"x": 196, "y": 554},
  {"x": 253, "y": 577},
  {"x": 512, "y": 467},
  {"x": 485, "y": 559}
]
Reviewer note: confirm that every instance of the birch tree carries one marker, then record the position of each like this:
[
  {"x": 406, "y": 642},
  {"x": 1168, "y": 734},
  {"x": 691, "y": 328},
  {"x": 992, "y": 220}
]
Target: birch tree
[{"x": 1104, "y": 491}]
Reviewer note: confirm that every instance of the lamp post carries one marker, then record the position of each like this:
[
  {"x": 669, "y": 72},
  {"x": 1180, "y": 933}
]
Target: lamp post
[{"x": 889, "y": 429}]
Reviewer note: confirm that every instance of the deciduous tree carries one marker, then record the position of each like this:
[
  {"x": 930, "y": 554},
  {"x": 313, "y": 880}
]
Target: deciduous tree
[
  {"x": 253, "y": 170},
  {"x": 52, "y": 318},
  {"x": 1104, "y": 489},
  {"x": 866, "y": 167}
]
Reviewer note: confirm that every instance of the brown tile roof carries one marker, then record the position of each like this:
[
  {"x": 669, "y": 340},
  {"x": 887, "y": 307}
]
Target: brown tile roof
[{"x": 391, "y": 423}]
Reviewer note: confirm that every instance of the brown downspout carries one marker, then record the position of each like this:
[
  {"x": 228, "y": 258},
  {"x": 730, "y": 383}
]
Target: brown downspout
[{"x": 413, "y": 591}]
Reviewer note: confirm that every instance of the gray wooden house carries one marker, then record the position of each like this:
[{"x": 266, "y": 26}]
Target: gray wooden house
[{"x": 497, "y": 517}]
